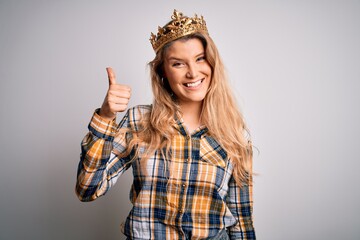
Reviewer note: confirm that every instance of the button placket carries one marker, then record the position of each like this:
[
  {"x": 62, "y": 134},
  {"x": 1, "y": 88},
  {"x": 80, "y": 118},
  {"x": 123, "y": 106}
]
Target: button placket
[{"x": 183, "y": 184}]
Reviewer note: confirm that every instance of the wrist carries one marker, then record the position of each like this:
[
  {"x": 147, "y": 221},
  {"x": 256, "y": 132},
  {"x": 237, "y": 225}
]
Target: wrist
[{"x": 106, "y": 115}]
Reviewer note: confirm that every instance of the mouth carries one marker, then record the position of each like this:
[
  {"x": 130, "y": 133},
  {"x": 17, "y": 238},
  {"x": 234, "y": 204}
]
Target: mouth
[{"x": 193, "y": 84}]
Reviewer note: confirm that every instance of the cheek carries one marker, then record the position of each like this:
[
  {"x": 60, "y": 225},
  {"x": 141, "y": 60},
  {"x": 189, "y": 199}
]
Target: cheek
[
  {"x": 208, "y": 69},
  {"x": 173, "y": 77},
  {"x": 173, "y": 83},
  {"x": 169, "y": 73}
]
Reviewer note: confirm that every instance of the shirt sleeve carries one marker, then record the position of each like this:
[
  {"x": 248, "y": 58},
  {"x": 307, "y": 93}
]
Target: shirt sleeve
[
  {"x": 99, "y": 166},
  {"x": 240, "y": 203}
]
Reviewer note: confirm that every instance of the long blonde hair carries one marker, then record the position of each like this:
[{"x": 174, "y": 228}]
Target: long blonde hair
[{"x": 220, "y": 113}]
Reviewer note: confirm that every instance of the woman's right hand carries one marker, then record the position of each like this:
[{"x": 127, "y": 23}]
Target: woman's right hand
[{"x": 117, "y": 97}]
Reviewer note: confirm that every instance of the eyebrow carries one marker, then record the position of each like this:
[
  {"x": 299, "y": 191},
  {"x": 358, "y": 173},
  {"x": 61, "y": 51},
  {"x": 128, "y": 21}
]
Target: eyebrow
[{"x": 179, "y": 59}]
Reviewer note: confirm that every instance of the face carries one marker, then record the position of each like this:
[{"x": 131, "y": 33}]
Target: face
[{"x": 187, "y": 70}]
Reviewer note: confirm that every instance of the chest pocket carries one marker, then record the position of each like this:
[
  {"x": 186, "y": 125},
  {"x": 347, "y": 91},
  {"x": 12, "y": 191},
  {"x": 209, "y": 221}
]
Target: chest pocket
[
  {"x": 212, "y": 164},
  {"x": 211, "y": 152}
]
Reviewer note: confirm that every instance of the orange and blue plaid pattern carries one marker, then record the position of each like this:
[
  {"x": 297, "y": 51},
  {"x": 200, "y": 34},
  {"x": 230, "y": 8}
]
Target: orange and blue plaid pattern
[{"x": 191, "y": 195}]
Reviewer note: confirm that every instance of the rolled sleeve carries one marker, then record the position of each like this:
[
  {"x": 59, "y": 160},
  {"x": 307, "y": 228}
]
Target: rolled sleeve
[
  {"x": 95, "y": 175},
  {"x": 102, "y": 128},
  {"x": 240, "y": 203}
]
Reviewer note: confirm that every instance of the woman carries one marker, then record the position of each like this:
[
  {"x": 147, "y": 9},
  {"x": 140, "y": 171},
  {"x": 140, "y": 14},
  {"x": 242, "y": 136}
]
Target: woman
[{"x": 189, "y": 150}]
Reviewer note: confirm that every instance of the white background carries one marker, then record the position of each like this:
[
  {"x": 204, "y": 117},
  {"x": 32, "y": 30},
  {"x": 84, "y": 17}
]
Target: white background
[{"x": 295, "y": 67}]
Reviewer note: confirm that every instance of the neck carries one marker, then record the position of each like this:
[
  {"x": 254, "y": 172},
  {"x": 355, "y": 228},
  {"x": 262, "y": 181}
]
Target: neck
[{"x": 191, "y": 115}]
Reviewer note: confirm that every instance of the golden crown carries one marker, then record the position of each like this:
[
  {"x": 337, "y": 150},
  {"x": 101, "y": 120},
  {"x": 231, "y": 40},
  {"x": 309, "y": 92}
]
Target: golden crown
[{"x": 178, "y": 27}]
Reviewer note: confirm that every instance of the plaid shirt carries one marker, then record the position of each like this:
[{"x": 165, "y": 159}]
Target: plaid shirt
[{"x": 192, "y": 195}]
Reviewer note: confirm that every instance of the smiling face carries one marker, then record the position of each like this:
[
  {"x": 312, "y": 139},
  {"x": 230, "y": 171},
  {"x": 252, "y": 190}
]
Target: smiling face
[{"x": 187, "y": 70}]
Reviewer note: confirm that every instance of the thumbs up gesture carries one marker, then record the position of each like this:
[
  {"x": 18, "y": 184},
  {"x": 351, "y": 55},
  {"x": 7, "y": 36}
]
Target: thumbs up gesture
[{"x": 117, "y": 97}]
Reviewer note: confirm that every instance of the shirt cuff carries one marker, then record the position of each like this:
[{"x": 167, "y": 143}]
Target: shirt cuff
[{"x": 101, "y": 127}]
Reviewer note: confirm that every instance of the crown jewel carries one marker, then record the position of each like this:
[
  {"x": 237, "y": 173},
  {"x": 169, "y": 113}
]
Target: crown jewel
[{"x": 178, "y": 27}]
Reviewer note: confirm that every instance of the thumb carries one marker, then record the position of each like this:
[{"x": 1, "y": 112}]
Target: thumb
[{"x": 111, "y": 76}]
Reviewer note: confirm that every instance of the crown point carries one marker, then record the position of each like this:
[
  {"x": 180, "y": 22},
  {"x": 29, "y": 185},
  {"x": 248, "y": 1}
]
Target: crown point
[
  {"x": 176, "y": 15},
  {"x": 178, "y": 27}
]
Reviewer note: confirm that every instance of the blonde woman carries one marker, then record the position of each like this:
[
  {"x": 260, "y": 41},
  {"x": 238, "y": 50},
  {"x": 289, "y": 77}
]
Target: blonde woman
[{"x": 189, "y": 151}]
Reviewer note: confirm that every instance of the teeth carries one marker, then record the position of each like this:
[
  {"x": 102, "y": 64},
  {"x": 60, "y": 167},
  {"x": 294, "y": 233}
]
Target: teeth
[{"x": 194, "y": 84}]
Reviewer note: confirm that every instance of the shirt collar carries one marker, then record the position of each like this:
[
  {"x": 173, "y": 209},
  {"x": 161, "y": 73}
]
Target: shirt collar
[{"x": 180, "y": 126}]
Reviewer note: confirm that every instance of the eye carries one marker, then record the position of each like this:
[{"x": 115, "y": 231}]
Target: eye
[
  {"x": 176, "y": 64},
  {"x": 200, "y": 59}
]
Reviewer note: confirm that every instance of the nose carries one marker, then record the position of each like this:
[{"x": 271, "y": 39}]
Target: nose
[{"x": 192, "y": 71}]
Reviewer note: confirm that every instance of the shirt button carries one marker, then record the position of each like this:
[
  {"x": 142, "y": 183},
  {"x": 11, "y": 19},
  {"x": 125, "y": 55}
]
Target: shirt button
[
  {"x": 188, "y": 159},
  {"x": 180, "y": 211},
  {"x": 184, "y": 185},
  {"x": 187, "y": 137}
]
